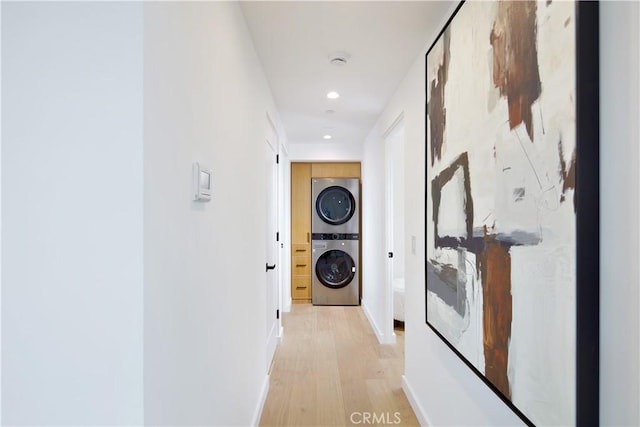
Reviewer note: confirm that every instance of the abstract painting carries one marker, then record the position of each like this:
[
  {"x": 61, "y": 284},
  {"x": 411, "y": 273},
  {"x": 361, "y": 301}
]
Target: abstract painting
[{"x": 512, "y": 202}]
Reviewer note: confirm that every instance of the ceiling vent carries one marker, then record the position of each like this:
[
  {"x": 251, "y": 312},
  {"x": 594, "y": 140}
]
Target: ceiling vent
[{"x": 339, "y": 58}]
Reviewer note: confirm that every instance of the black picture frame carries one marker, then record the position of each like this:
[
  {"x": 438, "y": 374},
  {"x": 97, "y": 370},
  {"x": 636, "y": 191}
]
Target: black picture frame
[{"x": 587, "y": 216}]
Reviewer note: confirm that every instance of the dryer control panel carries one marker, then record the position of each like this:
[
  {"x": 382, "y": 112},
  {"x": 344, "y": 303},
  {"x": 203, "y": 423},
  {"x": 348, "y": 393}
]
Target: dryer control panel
[{"x": 335, "y": 236}]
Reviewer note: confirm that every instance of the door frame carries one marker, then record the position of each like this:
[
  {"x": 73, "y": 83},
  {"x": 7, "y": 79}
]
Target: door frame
[
  {"x": 284, "y": 222},
  {"x": 389, "y": 198}
]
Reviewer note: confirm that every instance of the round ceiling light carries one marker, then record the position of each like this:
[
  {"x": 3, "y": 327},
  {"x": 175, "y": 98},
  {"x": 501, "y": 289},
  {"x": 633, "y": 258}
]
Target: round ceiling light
[
  {"x": 333, "y": 95},
  {"x": 327, "y": 137}
]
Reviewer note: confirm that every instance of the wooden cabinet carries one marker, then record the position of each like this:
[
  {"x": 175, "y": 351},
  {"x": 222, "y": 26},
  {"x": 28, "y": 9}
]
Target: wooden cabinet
[
  {"x": 335, "y": 170},
  {"x": 301, "y": 203},
  {"x": 301, "y": 232}
]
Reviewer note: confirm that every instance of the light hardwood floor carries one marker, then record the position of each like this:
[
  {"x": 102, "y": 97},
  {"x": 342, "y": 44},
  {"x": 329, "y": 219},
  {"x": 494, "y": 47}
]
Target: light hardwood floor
[{"x": 330, "y": 370}]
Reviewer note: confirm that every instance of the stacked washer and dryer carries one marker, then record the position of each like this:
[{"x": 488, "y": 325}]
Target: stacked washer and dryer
[{"x": 335, "y": 238}]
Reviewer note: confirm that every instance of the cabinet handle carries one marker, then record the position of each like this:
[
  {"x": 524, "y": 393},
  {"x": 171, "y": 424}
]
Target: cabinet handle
[
  {"x": 301, "y": 265},
  {"x": 301, "y": 287},
  {"x": 307, "y": 237},
  {"x": 301, "y": 250}
]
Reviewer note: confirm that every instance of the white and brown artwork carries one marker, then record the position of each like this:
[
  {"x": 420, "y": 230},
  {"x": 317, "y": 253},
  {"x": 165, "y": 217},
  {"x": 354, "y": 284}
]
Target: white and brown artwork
[{"x": 502, "y": 260}]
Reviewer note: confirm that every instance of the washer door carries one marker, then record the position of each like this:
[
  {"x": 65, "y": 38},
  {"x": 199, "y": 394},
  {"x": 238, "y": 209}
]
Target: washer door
[
  {"x": 335, "y": 269},
  {"x": 335, "y": 205}
]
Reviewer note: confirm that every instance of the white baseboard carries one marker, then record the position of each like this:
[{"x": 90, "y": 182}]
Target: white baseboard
[
  {"x": 382, "y": 338},
  {"x": 287, "y": 306},
  {"x": 372, "y": 322},
  {"x": 257, "y": 414},
  {"x": 272, "y": 342},
  {"x": 280, "y": 334},
  {"x": 421, "y": 414}
]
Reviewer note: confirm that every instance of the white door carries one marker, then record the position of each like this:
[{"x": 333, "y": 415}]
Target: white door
[
  {"x": 272, "y": 267},
  {"x": 394, "y": 200}
]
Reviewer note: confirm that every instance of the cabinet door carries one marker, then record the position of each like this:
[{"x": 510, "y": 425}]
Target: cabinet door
[
  {"x": 335, "y": 170},
  {"x": 301, "y": 288},
  {"x": 300, "y": 266},
  {"x": 301, "y": 203}
]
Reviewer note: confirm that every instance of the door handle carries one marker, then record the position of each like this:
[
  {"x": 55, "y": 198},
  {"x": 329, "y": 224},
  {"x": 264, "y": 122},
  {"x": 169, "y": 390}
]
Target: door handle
[
  {"x": 270, "y": 267},
  {"x": 390, "y": 255}
]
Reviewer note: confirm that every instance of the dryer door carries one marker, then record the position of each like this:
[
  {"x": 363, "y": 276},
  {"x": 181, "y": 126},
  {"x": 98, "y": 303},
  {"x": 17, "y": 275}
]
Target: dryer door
[
  {"x": 335, "y": 269},
  {"x": 335, "y": 205}
]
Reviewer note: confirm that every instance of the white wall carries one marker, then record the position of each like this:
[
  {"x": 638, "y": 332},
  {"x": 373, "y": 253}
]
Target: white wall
[
  {"x": 619, "y": 213},
  {"x": 206, "y": 99},
  {"x": 78, "y": 150},
  {"x": 0, "y": 215},
  {"x": 325, "y": 152},
  {"x": 72, "y": 214},
  {"x": 376, "y": 301},
  {"x": 443, "y": 390}
]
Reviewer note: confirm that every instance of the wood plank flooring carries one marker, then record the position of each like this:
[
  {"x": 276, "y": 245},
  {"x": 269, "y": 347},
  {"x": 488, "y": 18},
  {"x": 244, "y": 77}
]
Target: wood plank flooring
[{"x": 330, "y": 370}]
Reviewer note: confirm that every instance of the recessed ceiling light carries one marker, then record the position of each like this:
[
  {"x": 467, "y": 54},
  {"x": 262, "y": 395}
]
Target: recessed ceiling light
[
  {"x": 327, "y": 137},
  {"x": 333, "y": 95}
]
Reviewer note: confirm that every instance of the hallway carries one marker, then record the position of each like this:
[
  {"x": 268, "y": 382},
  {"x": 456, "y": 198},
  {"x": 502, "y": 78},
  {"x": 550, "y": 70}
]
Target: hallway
[
  {"x": 330, "y": 370},
  {"x": 125, "y": 300}
]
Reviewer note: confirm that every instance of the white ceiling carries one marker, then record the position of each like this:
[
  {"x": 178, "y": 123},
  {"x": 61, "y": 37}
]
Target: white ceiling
[{"x": 294, "y": 40}]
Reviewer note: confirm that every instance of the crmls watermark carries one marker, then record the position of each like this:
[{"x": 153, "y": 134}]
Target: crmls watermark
[{"x": 375, "y": 418}]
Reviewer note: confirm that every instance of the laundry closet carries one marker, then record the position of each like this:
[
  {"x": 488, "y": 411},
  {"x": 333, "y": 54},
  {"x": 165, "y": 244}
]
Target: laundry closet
[{"x": 325, "y": 233}]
